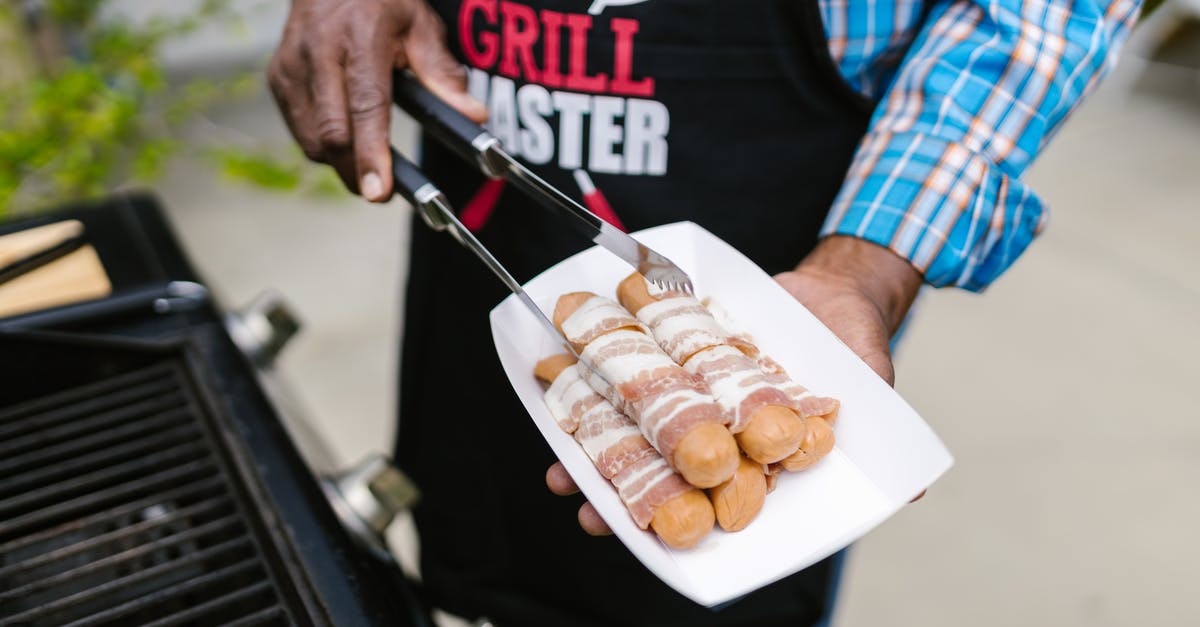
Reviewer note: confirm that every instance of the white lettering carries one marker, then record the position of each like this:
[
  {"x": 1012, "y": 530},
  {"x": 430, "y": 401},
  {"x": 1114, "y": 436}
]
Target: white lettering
[
  {"x": 646, "y": 125},
  {"x": 626, "y": 135},
  {"x": 477, "y": 84},
  {"x": 537, "y": 139},
  {"x": 571, "y": 107},
  {"x": 606, "y": 133},
  {"x": 502, "y": 113},
  {"x": 598, "y": 6}
]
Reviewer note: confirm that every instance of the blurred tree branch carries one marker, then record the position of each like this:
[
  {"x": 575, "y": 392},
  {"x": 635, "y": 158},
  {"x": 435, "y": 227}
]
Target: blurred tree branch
[{"x": 86, "y": 105}]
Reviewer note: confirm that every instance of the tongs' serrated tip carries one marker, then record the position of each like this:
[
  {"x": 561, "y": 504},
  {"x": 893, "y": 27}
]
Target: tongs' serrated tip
[{"x": 674, "y": 284}]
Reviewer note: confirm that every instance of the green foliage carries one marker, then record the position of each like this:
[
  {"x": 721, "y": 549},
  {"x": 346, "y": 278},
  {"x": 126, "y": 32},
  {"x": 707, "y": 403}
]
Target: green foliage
[
  {"x": 291, "y": 173},
  {"x": 265, "y": 172},
  {"x": 105, "y": 116}
]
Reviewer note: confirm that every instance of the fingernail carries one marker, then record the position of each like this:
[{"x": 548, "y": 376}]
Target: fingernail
[{"x": 371, "y": 186}]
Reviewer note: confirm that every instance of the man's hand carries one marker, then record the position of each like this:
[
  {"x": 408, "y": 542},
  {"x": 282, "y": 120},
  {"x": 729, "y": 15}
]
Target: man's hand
[
  {"x": 561, "y": 483},
  {"x": 861, "y": 291},
  {"x": 332, "y": 80}
]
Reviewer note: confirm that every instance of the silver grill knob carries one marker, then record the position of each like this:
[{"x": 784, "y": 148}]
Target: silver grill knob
[
  {"x": 368, "y": 497},
  {"x": 263, "y": 327}
]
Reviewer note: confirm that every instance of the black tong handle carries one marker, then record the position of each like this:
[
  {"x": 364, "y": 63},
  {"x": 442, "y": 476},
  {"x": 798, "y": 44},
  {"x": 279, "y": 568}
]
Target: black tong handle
[
  {"x": 421, "y": 193},
  {"x": 408, "y": 178},
  {"x": 451, "y": 128}
]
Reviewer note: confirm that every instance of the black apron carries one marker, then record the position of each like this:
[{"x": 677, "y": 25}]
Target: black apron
[{"x": 758, "y": 133}]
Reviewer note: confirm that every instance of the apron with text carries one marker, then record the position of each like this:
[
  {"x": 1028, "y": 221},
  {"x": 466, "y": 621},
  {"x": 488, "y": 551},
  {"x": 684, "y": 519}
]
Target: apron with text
[{"x": 728, "y": 114}]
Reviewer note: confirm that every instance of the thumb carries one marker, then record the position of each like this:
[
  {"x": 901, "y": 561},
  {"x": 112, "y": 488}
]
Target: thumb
[
  {"x": 859, "y": 325},
  {"x": 880, "y": 360},
  {"x": 437, "y": 69}
]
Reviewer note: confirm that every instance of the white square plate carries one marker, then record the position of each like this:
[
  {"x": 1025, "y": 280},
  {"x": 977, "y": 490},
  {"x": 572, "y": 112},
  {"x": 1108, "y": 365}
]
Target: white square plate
[{"x": 885, "y": 454}]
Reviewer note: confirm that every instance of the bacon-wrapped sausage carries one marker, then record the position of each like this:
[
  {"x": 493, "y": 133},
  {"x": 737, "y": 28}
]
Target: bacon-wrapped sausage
[
  {"x": 656, "y": 496},
  {"x": 819, "y": 411},
  {"x": 673, "y": 409},
  {"x": 738, "y": 501},
  {"x": 761, "y": 415},
  {"x": 806, "y": 403}
]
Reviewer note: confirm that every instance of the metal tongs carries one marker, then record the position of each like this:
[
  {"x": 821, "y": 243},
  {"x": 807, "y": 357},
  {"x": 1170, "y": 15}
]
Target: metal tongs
[
  {"x": 431, "y": 204},
  {"x": 477, "y": 146}
]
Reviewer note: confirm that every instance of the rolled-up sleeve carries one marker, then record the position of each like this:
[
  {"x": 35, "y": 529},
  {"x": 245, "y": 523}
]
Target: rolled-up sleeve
[{"x": 982, "y": 89}]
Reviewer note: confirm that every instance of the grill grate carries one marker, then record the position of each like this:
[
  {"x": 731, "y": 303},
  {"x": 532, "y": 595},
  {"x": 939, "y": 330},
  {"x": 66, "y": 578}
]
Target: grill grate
[{"x": 117, "y": 507}]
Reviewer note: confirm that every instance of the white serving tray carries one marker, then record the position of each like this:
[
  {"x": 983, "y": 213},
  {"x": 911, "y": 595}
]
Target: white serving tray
[{"x": 885, "y": 455}]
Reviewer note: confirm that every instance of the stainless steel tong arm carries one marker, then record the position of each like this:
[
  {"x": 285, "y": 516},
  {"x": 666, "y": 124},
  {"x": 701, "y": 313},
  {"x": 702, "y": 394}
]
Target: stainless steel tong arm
[
  {"x": 475, "y": 145},
  {"x": 435, "y": 210}
]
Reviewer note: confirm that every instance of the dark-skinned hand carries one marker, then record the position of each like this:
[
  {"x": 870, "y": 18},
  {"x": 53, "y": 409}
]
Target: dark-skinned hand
[{"x": 332, "y": 79}]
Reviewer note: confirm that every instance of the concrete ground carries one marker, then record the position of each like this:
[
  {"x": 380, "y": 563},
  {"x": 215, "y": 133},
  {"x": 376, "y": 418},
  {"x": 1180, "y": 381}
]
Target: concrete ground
[{"x": 1066, "y": 392}]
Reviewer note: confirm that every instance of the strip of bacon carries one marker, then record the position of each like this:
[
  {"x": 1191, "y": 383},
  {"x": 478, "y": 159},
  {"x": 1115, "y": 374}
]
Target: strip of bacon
[
  {"x": 807, "y": 404},
  {"x": 569, "y": 398},
  {"x": 613, "y": 442},
  {"x": 647, "y": 484},
  {"x": 738, "y": 384},
  {"x": 683, "y": 326},
  {"x": 595, "y": 317},
  {"x": 639, "y": 379},
  {"x": 739, "y": 337},
  {"x": 695, "y": 339}
]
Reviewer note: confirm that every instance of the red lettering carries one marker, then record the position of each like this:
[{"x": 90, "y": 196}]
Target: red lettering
[
  {"x": 577, "y": 78},
  {"x": 509, "y": 48},
  {"x": 551, "y": 48},
  {"x": 481, "y": 55},
  {"x": 623, "y": 61},
  {"x": 520, "y": 31}
]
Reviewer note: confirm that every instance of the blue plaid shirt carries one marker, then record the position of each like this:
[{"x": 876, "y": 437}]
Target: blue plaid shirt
[{"x": 968, "y": 94}]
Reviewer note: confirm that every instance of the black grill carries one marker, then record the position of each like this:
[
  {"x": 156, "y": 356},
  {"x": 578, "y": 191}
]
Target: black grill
[
  {"x": 119, "y": 505},
  {"x": 146, "y": 478}
]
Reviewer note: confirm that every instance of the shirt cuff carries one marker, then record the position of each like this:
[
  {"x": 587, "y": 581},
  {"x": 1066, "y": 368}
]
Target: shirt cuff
[{"x": 957, "y": 217}]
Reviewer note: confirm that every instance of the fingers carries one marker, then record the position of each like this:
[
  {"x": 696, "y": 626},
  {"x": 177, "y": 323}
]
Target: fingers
[
  {"x": 332, "y": 80},
  {"x": 846, "y": 311},
  {"x": 559, "y": 481},
  {"x": 562, "y": 484},
  {"x": 331, "y": 119},
  {"x": 369, "y": 90},
  {"x": 437, "y": 69},
  {"x": 308, "y": 88},
  {"x": 295, "y": 103},
  {"x": 591, "y": 521},
  {"x": 328, "y": 95}
]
